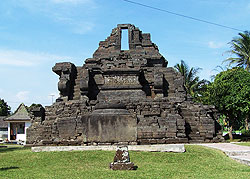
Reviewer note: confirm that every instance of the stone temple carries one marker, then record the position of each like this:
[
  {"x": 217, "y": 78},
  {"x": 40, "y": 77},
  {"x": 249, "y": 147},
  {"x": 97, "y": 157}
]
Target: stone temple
[{"x": 122, "y": 97}]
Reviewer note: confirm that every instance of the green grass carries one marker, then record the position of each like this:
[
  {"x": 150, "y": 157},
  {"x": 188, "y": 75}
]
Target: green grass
[
  {"x": 197, "y": 162},
  {"x": 243, "y": 143},
  {"x": 11, "y": 145},
  {"x": 234, "y": 140}
]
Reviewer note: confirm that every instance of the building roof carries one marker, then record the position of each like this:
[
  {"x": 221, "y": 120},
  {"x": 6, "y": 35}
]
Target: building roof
[
  {"x": 3, "y": 124},
  {"x": 21, "y": 114}
]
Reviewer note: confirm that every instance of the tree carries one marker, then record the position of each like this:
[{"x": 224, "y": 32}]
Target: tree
[
  {"x": 230, "y": 93},
  {"x": 33, "y": 105},
  {"x": 241, "y": 48},
  {"x": 4, "y": 108},
  {"x": 193, "y": 85}
]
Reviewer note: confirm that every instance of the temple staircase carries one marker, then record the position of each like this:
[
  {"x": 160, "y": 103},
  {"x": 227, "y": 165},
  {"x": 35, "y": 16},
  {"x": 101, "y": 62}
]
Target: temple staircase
[{"x": 77, "y": 92}]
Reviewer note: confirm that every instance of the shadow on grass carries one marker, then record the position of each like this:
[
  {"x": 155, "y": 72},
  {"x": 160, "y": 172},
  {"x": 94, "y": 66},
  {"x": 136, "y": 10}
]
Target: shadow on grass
[
  {"x": 8, "y": 168},
  {"x": 11, "y": 149},
  {"x": 238, "y": 138}
]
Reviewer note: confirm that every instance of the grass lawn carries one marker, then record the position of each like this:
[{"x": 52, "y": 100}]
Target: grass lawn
[
  {"x": 197, "y": 162},
  {"x": 12, "y": 145},
  {"x": 243, "y": 143}
]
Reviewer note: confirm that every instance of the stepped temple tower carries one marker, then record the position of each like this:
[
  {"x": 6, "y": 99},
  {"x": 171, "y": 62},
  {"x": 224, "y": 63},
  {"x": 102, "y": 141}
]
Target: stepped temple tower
[{"x": 122, "y": 97}]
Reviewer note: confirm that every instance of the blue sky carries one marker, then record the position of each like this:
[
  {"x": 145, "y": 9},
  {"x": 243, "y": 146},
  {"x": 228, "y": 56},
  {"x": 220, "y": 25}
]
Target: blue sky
[{"x": 35, "y": 34}]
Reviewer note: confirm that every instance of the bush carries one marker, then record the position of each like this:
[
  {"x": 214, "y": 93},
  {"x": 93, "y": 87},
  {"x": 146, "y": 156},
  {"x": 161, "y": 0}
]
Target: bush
[{"x": 245, "y": 133}]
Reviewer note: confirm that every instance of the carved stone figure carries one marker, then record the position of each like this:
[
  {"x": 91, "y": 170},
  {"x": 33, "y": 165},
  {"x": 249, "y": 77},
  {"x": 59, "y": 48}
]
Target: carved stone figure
[
  {"x": 123, "y": 96},
  {"x": 67, "y": 73}
]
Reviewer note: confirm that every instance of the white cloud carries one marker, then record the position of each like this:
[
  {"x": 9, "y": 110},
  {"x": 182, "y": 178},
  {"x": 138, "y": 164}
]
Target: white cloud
[
  {"x": 22, "y": 96},
  {"x": 213, "y": 44},
  {"x": 23, "y": 58},
  {"x": 84, "y": 27},
  {"x": 77, "y": 27},
  {"x": 207, "y": 73},
  {"x": 75, "y": 15}
]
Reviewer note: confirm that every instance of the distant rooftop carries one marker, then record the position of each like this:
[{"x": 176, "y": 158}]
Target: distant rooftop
[{"x": 21, "y": 114}]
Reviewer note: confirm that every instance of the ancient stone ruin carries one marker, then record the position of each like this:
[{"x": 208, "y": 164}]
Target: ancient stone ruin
[
  {"x": 122, "y": 160},
  {"x": 122, "y": 97}
]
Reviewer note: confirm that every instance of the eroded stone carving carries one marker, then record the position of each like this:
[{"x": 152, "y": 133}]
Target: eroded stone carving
[
  {"x": 126, "y": 97},
  {"x": 67, "y": 73},
  {"x": 122, "y": 160}
]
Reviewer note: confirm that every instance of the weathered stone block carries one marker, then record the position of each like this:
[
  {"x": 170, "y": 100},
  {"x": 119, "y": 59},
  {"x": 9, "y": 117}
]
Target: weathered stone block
[
  {"x": 122, "y": 160},
  {"x": 170, "y": 135},
  {"x": 109, "y": 126},
  {"x": 66, "y": 127},
  {"x": 158, "y": 134}
]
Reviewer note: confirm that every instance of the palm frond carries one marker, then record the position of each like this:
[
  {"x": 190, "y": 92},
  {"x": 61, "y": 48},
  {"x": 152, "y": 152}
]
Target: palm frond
[{"x": 241, "y": 49}]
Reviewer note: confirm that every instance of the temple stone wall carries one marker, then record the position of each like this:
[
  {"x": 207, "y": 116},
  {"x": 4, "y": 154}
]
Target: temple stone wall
[{"x": 122, "y": 97}]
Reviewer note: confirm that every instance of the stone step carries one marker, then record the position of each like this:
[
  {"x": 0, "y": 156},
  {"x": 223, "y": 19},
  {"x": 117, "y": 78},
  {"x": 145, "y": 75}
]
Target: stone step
[
  {"x": 76, "y": 88},
  {"x": 178, "y": 148},
  {"x": 245, "y": 159},
  {"x": 77, "y": 91},
  {"x": 76, "y": 97}
]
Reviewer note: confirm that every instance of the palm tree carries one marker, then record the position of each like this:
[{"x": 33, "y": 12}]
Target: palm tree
[
  {"x": 192, "y": 82},
  {"x": 241, "y": 48}
]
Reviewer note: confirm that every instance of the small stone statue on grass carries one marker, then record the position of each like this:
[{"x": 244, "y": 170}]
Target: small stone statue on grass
[{"x": 122, "y": 160}]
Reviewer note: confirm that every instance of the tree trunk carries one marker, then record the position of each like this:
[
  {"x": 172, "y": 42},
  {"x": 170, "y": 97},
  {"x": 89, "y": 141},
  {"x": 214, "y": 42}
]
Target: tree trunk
[
  {"x": 246, "y": 123},
  {"x": 230, "y": 133}
]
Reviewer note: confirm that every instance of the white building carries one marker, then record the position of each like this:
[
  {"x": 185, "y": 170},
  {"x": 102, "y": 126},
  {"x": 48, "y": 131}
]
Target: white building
[{"x": 17, "y": 124}]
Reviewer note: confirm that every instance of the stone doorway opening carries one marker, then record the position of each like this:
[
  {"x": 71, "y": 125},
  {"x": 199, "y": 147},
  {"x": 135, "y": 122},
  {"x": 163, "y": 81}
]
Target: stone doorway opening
[{"x": 124, "y": 39}]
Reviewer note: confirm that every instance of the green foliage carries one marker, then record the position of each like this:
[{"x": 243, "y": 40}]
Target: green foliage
[
  {"x": 33, "y": 105},
  {"x": 230, "y": 93},
  {"x": 222, "y": 122},
  {"x": 4, "y": 108},
  {"x": 241, "y": 49},
  {"x": 196, "y": 162},
  {"x": 245, "y": 133},
  {"x": 193, "y": 85}
]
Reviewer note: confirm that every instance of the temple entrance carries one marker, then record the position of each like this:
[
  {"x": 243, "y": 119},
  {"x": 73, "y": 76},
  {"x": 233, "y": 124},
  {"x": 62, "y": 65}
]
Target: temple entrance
[{"x": 15, "y": 129}]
